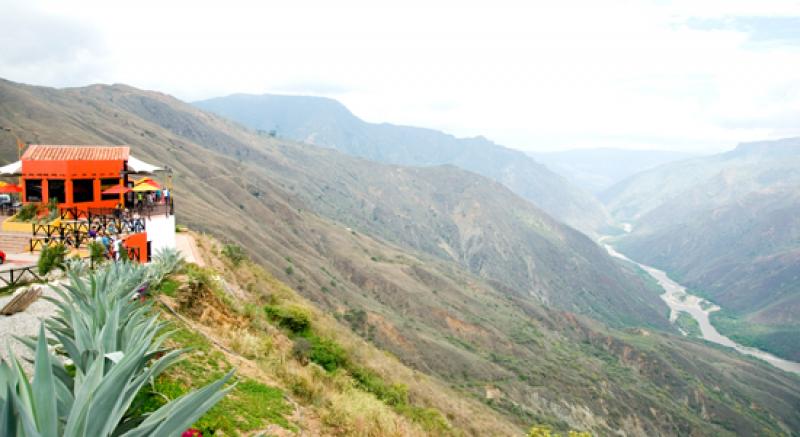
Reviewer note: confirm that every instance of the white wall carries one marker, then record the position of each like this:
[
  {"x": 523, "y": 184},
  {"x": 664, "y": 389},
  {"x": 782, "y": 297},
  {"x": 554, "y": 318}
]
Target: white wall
[{"x": 160, "y": 232}]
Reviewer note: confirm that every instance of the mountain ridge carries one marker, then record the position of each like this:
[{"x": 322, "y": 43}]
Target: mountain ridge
[
  {"x": 278, "y": 200},
  {"x": 326, "y": 122}
]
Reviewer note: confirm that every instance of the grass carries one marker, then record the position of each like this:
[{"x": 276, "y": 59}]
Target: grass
[
  {"x": 250, "y": 406},
  {"x": 168, "y": 287}
]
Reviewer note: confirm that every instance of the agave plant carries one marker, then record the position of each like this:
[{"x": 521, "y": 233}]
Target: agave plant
[
  {"x": 96, "y": 404},
  {"x": 165, "y": 261},
  {"x": 115, "y": 344}
]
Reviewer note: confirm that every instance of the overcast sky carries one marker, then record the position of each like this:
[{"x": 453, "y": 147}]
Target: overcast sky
[{"x": 694, "y": 75}]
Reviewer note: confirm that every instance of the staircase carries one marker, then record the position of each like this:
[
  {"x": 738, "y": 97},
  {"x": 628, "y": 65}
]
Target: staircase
[{"x": 14, "y": 242}]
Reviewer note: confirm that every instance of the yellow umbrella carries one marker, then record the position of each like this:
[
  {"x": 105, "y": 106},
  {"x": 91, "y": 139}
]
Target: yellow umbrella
[
  {"x": 146, "y": 181},
  {"x": 144, "y": 187}
]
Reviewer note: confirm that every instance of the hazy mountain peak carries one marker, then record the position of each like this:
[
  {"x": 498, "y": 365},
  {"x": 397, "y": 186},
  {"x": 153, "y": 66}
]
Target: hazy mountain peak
[{"x": 328, "y": 123}]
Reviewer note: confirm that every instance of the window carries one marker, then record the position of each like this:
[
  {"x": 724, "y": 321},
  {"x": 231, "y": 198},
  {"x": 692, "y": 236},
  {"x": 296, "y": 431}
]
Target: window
[
  {"x": 82, "y": 190},
  {"x": 33, "y": 190},
  {"x": 56, "y": 190},
  {"x": 106, "y": 184}
]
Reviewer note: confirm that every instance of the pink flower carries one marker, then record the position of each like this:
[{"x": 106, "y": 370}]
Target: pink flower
[{"x": 191, "y": 432}]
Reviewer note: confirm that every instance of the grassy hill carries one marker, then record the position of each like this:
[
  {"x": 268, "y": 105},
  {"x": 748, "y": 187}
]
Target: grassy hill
[
  {"x": 727, "y": 226},
  {"x": 414, "y": 267},
  {"x": 326, "y": 122}
]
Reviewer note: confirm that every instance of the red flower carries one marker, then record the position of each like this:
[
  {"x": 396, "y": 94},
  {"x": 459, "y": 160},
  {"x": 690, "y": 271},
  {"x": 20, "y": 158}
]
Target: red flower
[{"x": 191, "y": 432}]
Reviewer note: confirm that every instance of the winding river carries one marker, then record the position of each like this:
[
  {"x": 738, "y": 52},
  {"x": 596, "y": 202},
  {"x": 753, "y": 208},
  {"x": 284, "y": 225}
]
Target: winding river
[{"x": 679, "y": 300}]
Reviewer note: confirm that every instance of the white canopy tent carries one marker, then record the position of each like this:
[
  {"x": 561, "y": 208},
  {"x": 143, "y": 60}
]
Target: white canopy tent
[
  {"x": 13, "y": 169},
  {"x": 138, "y": 166},
  {"x": 135, "y": 165}
]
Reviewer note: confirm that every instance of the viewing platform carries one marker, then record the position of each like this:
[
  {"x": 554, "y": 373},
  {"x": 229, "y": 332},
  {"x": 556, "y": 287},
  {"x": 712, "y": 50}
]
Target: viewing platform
[{"x": 73, "y": 195}]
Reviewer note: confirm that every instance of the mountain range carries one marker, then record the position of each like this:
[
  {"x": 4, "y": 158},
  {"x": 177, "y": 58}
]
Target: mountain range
[
  {"x": 326, "y": 122},
  {"x": 728, "y": 226},
  {"x": 457, "y": 276},
  {"x": 596, "y": 170}
]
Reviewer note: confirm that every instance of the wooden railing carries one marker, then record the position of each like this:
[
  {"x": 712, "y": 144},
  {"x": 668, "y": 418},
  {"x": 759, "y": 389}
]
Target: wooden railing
[{"x": 17, "y": 275}]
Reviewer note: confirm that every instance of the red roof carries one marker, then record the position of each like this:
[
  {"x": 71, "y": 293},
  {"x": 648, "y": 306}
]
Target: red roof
[{"x": 38, "y": 152}]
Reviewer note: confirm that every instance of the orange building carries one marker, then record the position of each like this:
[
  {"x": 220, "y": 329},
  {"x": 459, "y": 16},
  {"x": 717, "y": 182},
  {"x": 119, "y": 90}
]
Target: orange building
[{"x": 75, "y": 176}]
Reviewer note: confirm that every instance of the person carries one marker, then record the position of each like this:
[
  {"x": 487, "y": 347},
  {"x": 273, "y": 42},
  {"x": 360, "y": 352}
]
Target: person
[
  {"x": 119, "y": 246},
  {"x": 118, "y": 211},
  {"x": 93, "y": 233},
  {"x": 106, "y": 243},
  {"x": 139, "y": 199},
  {"x": 112, "y": 228},
  {"x": 166, "y": 195}
]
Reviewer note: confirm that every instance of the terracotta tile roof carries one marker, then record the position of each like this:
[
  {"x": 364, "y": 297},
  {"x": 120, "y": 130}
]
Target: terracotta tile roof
[{"x": 39, "y": 152}]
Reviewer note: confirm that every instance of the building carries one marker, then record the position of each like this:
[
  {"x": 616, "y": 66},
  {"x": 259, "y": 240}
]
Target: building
[{"x": 76, "y": 177}]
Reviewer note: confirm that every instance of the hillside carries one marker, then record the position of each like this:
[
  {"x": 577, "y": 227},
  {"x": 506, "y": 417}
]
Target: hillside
[
  {"x": 596, "y": 170},
  {"x": 326, "y": 122},
  {"x": 305, "y": 214},
  {"x": 731, "y": 232}
]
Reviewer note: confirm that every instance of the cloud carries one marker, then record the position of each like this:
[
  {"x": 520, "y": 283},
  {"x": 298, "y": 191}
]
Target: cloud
[
  {"x": 781, "y": 30},
  {"x": 43, "y": 48},
  {"x": 528, "y": 75}
]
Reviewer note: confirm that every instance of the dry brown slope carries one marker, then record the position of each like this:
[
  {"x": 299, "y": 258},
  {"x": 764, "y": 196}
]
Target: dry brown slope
[{"x": 549, "y": 366}]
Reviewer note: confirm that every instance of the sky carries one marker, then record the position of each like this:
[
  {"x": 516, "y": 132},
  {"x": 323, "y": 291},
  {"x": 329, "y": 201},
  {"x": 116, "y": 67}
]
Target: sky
[{"x": 689, "y": 75}]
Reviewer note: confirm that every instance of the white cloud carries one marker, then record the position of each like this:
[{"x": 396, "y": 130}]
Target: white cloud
[{"x": 576, "y": 73}]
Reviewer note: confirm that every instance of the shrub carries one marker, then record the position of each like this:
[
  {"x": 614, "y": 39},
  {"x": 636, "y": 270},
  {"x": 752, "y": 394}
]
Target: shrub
[
  {"x": 97, "y": 252},
  {"x": 27, "y": 212},
  {"x": 301, "y": 350},
  {"x": 52, "y": 257},
  {"x": 327, "y": 353},
  {"x": 235, "y": 253},
  {"x": 291, "y": 317},
  {"x": 392, "y": 394}
]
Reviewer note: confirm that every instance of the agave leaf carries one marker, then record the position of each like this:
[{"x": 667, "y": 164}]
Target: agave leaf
[
  {"x": 8, "y": 421},
  {"x": 107, "y": 398},
  {"x": 23, "y": 390},
  {"x": 85, "y": 386},
  {"x": 44, "y": 401}
]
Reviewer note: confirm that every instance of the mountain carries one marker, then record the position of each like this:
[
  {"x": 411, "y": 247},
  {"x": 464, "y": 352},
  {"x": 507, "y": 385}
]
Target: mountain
[
  {"x": 326, "y": 122},
  {"x": 595, "y": 170},
  {"x": 727, "y": 226},
  {"x": 412, "y": 261}
]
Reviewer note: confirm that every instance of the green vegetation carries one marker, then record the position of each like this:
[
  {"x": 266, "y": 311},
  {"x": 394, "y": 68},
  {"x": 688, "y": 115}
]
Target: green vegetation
[
  {"x": 97, "y": 252},
  {"x": 249, "y": 406},
  {"x": 234, "y": 253},
  {"x": 292, "y": 317},
  {"x": 783, "y": 341},
  {"x": 539, "y": 431},
  {"x": 51, "y": 258},
  {"x": 688, "y": 324},
  {"x": 114, "y": 345},
  {"x": 27, "y": 212}
]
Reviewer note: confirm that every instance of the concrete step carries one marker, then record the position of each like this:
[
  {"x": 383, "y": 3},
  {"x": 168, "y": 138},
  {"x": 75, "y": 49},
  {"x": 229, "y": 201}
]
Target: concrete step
[{"x": 13, "y": 242}]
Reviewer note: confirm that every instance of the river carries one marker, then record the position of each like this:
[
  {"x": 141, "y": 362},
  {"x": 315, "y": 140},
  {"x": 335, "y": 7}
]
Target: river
[{"x": 679, "y": 300}]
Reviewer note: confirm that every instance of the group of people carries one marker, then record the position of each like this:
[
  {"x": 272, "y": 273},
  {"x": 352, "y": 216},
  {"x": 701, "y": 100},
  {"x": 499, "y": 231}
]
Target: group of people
[
  {"x": 151, "y": 198},
  {"x": 112, "y": 242}
]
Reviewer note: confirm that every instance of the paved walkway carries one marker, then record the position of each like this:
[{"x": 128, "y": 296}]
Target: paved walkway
[{"x": 188, "y": 248}]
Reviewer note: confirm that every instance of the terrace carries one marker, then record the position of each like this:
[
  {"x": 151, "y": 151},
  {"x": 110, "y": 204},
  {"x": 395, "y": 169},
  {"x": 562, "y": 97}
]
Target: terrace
[{"x": 70, "y": 193}]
